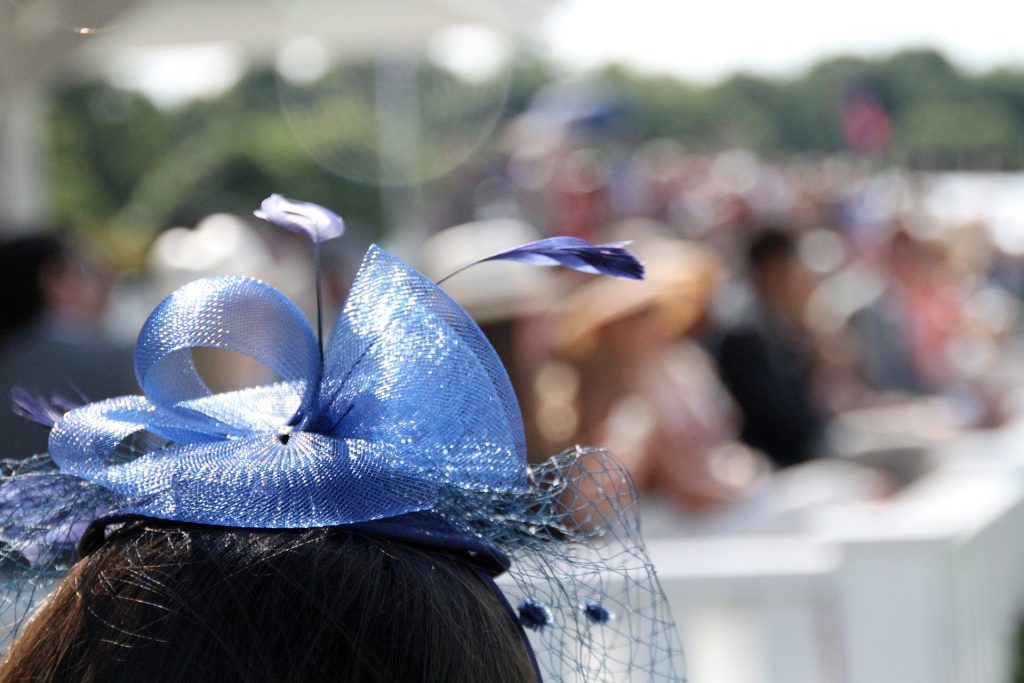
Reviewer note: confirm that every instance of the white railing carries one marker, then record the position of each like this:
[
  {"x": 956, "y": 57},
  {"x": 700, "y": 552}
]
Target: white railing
[{"x": 926, "y": 587}]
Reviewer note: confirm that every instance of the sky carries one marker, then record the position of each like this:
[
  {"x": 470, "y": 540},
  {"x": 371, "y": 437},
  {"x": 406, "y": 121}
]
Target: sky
[{"x": 705, "y": 41}]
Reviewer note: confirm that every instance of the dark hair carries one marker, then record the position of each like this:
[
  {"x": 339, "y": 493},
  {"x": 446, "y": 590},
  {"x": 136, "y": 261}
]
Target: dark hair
[
  {"x": 160, "y": 603},
  {"x": 769, "y": 245},
  {"x": 22, "y": 262}
]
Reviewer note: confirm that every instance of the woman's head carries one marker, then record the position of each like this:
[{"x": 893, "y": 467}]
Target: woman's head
[{"x": 160, "y": 602}]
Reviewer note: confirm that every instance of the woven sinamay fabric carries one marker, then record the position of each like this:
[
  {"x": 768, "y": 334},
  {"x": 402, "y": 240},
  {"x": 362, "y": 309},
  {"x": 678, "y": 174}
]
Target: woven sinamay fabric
[{"x": 409, "y": 411}]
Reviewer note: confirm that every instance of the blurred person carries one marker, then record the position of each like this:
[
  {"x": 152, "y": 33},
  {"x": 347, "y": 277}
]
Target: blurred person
[
  {"x": 655, "y": 177},
  {"x": 937, "y": 331},
  {"x": 767, "y": 358},
  {"x": 581, "y": 195},
  {"x": 904, "y": 333},
  {"x": 52, "y": 341},
  {"x": 646, "y": 388}
]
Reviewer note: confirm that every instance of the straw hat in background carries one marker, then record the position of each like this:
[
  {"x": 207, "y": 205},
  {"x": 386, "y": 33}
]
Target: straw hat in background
[
  {"x": 680, "y": 279},
  {"x": 496, "y": 290}
]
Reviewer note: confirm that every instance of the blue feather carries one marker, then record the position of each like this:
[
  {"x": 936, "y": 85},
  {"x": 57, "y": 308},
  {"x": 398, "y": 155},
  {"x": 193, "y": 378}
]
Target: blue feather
[
  {"x": 601, "y": 259},
  {"x": 34, "y": 407}
]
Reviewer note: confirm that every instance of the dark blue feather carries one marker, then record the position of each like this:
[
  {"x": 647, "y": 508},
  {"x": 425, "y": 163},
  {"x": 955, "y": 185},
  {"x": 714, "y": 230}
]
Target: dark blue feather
[
  {"x": 601, "y": 259},
  {"x": 40, "y": 410}
]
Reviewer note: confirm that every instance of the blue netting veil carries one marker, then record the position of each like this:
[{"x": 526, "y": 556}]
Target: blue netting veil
[{"x": 409, "y": 415}]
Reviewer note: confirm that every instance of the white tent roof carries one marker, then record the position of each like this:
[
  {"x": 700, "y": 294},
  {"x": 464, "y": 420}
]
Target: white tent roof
[
  {"x": 43, "y": 41},
  {"x": 54, "y": 38}
]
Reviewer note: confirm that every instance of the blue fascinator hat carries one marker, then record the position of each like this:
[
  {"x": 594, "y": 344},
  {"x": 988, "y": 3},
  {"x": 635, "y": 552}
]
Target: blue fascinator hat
[{"x": 404, "y": 425}]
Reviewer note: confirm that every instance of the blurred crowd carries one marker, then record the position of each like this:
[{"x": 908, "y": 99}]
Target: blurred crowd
[
  {"x": 797, "y": 311},
  {"x": 793, "y": 311}
]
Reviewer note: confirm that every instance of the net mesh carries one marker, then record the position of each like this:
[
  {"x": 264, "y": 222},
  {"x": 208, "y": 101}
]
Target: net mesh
[
  {"x": 573, "y": 536},
  {"x": 576, "y": 547}
]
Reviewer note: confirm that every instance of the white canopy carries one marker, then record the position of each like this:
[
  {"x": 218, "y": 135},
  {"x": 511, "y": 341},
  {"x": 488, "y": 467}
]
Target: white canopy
[{"x": 48, "y": 41}]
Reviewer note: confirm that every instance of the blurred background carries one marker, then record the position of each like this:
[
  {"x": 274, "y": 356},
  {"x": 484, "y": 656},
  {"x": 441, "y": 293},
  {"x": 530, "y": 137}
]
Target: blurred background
[{"x": 818, "y": 387}]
